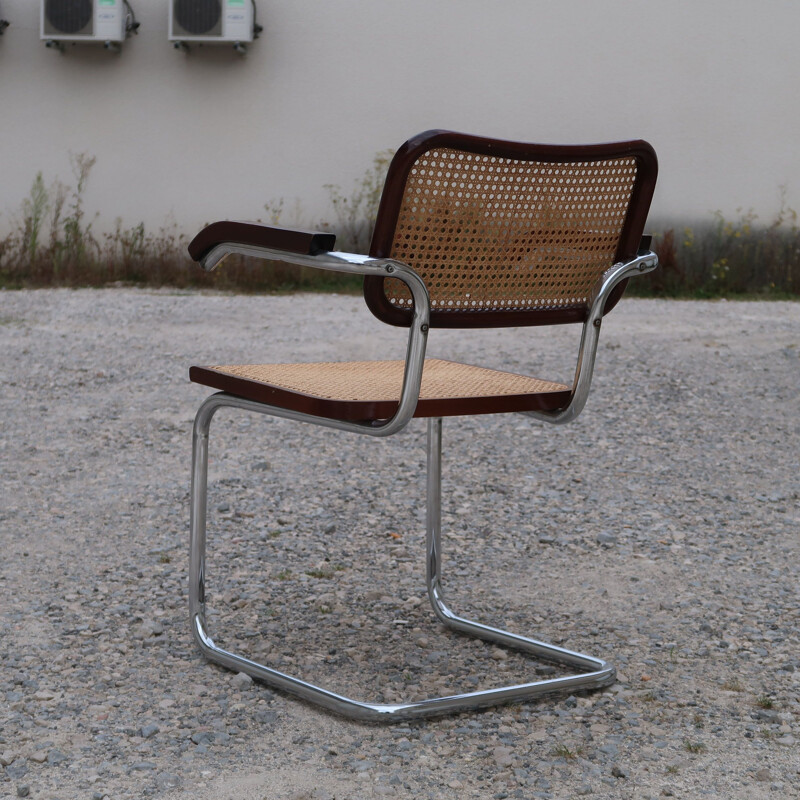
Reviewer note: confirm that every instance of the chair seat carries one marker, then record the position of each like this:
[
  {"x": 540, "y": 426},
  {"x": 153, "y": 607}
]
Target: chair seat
[{"x": 370, "y": 390}]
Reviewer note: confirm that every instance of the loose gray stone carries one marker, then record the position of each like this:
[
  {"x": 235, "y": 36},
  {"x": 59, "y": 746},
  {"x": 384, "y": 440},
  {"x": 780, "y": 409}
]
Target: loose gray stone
[
  {"x": 618, "y": 772},
  {"x": 606, "y": 538},
  {"x": 56, "y": 757},
  {"x": 17, "y": 769},
  {"x": 502, "y": 756},
  {"x": 242, "y": 680},
  {"x": 168, "y": 780}
]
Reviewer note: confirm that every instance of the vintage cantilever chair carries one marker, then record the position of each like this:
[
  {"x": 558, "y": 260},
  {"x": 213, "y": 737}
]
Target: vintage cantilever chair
[{"x": 471, "y": 233}]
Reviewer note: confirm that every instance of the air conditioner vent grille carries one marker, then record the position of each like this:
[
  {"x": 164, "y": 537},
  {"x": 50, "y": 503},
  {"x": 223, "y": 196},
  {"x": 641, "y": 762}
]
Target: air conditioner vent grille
[
  {"x": 69, "y": 17},
  {"x": 198, "y": 17}
]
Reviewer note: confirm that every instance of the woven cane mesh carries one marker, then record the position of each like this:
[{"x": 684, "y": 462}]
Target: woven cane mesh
[
  {"x": 373, "y": 381},
  {"x": 500, "y": 234}
]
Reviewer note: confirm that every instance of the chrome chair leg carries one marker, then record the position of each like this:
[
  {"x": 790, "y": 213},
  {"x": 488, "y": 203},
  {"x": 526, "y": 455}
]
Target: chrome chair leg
[{"x": 599, "y": 674}]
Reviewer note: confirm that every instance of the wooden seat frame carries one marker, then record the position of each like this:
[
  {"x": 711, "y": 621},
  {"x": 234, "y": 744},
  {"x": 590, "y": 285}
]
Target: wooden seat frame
[{"x": 423, "y": 186}]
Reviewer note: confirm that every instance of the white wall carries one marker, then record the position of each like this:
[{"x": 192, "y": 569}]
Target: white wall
[{"x": 712, "y": 84}]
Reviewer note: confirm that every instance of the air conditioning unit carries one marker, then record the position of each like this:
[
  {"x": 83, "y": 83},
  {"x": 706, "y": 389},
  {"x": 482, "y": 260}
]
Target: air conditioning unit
[
  {"x": 85, "y": 21},
  {"x": 209, "y": 21}
]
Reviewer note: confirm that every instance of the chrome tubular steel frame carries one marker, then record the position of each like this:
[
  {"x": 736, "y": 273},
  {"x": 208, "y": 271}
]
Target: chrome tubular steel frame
[
  {"x": 640, "y": 265},
  {"x": 359, "y": 265},
  {"x": 594, "y": 672}
]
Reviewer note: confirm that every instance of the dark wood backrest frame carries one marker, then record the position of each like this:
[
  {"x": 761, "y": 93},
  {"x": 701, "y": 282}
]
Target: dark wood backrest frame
[{"x": 392, "y": 198}]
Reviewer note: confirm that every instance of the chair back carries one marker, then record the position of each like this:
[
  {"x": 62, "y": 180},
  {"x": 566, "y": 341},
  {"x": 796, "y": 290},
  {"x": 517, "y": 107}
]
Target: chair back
[{"x": 507, "y": 233}]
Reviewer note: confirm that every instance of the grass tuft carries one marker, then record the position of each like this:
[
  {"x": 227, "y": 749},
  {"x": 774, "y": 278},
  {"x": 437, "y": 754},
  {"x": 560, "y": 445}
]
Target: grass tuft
[
  {"x": 694, "y": 747},
  {"x": 727, "y": 258},
  {"x": 563, "y": 751}
]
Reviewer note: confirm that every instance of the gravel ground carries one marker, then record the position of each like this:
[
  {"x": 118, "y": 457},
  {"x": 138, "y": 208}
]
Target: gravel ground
[{"x": 659, "y": 531}]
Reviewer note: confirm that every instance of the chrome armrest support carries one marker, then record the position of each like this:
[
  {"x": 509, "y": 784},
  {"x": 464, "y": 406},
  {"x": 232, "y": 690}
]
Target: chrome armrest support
[
  {"x": 643, "y": 263},
  {"x": 359, "y": 265}
]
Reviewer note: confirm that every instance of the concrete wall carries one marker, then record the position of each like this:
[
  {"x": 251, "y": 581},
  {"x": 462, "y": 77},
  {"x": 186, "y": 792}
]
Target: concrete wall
[{"x": 713, "y": 85}]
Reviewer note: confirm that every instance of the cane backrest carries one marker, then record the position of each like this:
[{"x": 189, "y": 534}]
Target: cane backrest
[{"x": 506, "y": 233}]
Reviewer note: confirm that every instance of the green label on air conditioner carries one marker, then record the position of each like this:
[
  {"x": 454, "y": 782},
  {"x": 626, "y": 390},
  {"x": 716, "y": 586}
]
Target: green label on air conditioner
[
  {"x": 235, "y": 2},
  {"x": 107, "y": 2}
]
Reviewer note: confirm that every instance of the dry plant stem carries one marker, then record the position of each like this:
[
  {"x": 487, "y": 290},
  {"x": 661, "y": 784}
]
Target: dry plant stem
[{"x": 52, "y": 243}]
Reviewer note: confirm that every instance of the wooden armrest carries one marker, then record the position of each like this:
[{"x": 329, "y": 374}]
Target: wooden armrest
[{"x": 308, "y": 243}]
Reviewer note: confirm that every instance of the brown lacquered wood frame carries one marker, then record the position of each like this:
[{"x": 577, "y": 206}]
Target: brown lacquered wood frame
[
  {"x": 309, "y": 243},
  {"x": 391, "y": 201},
  {"x": 354, "y": 410}
]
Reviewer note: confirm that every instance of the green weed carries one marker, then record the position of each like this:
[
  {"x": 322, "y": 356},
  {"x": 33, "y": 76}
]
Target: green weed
[
  {"x": 357, "y": 210},
  {"x": 733, "y": 685},
  {"x": 324, "y": 573},
  {"x": 694, "y": 747},
  {"x": 563, "y": 751},
  {"x": 727, "y": 258},
  {"x": 54, "y": 242}
]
